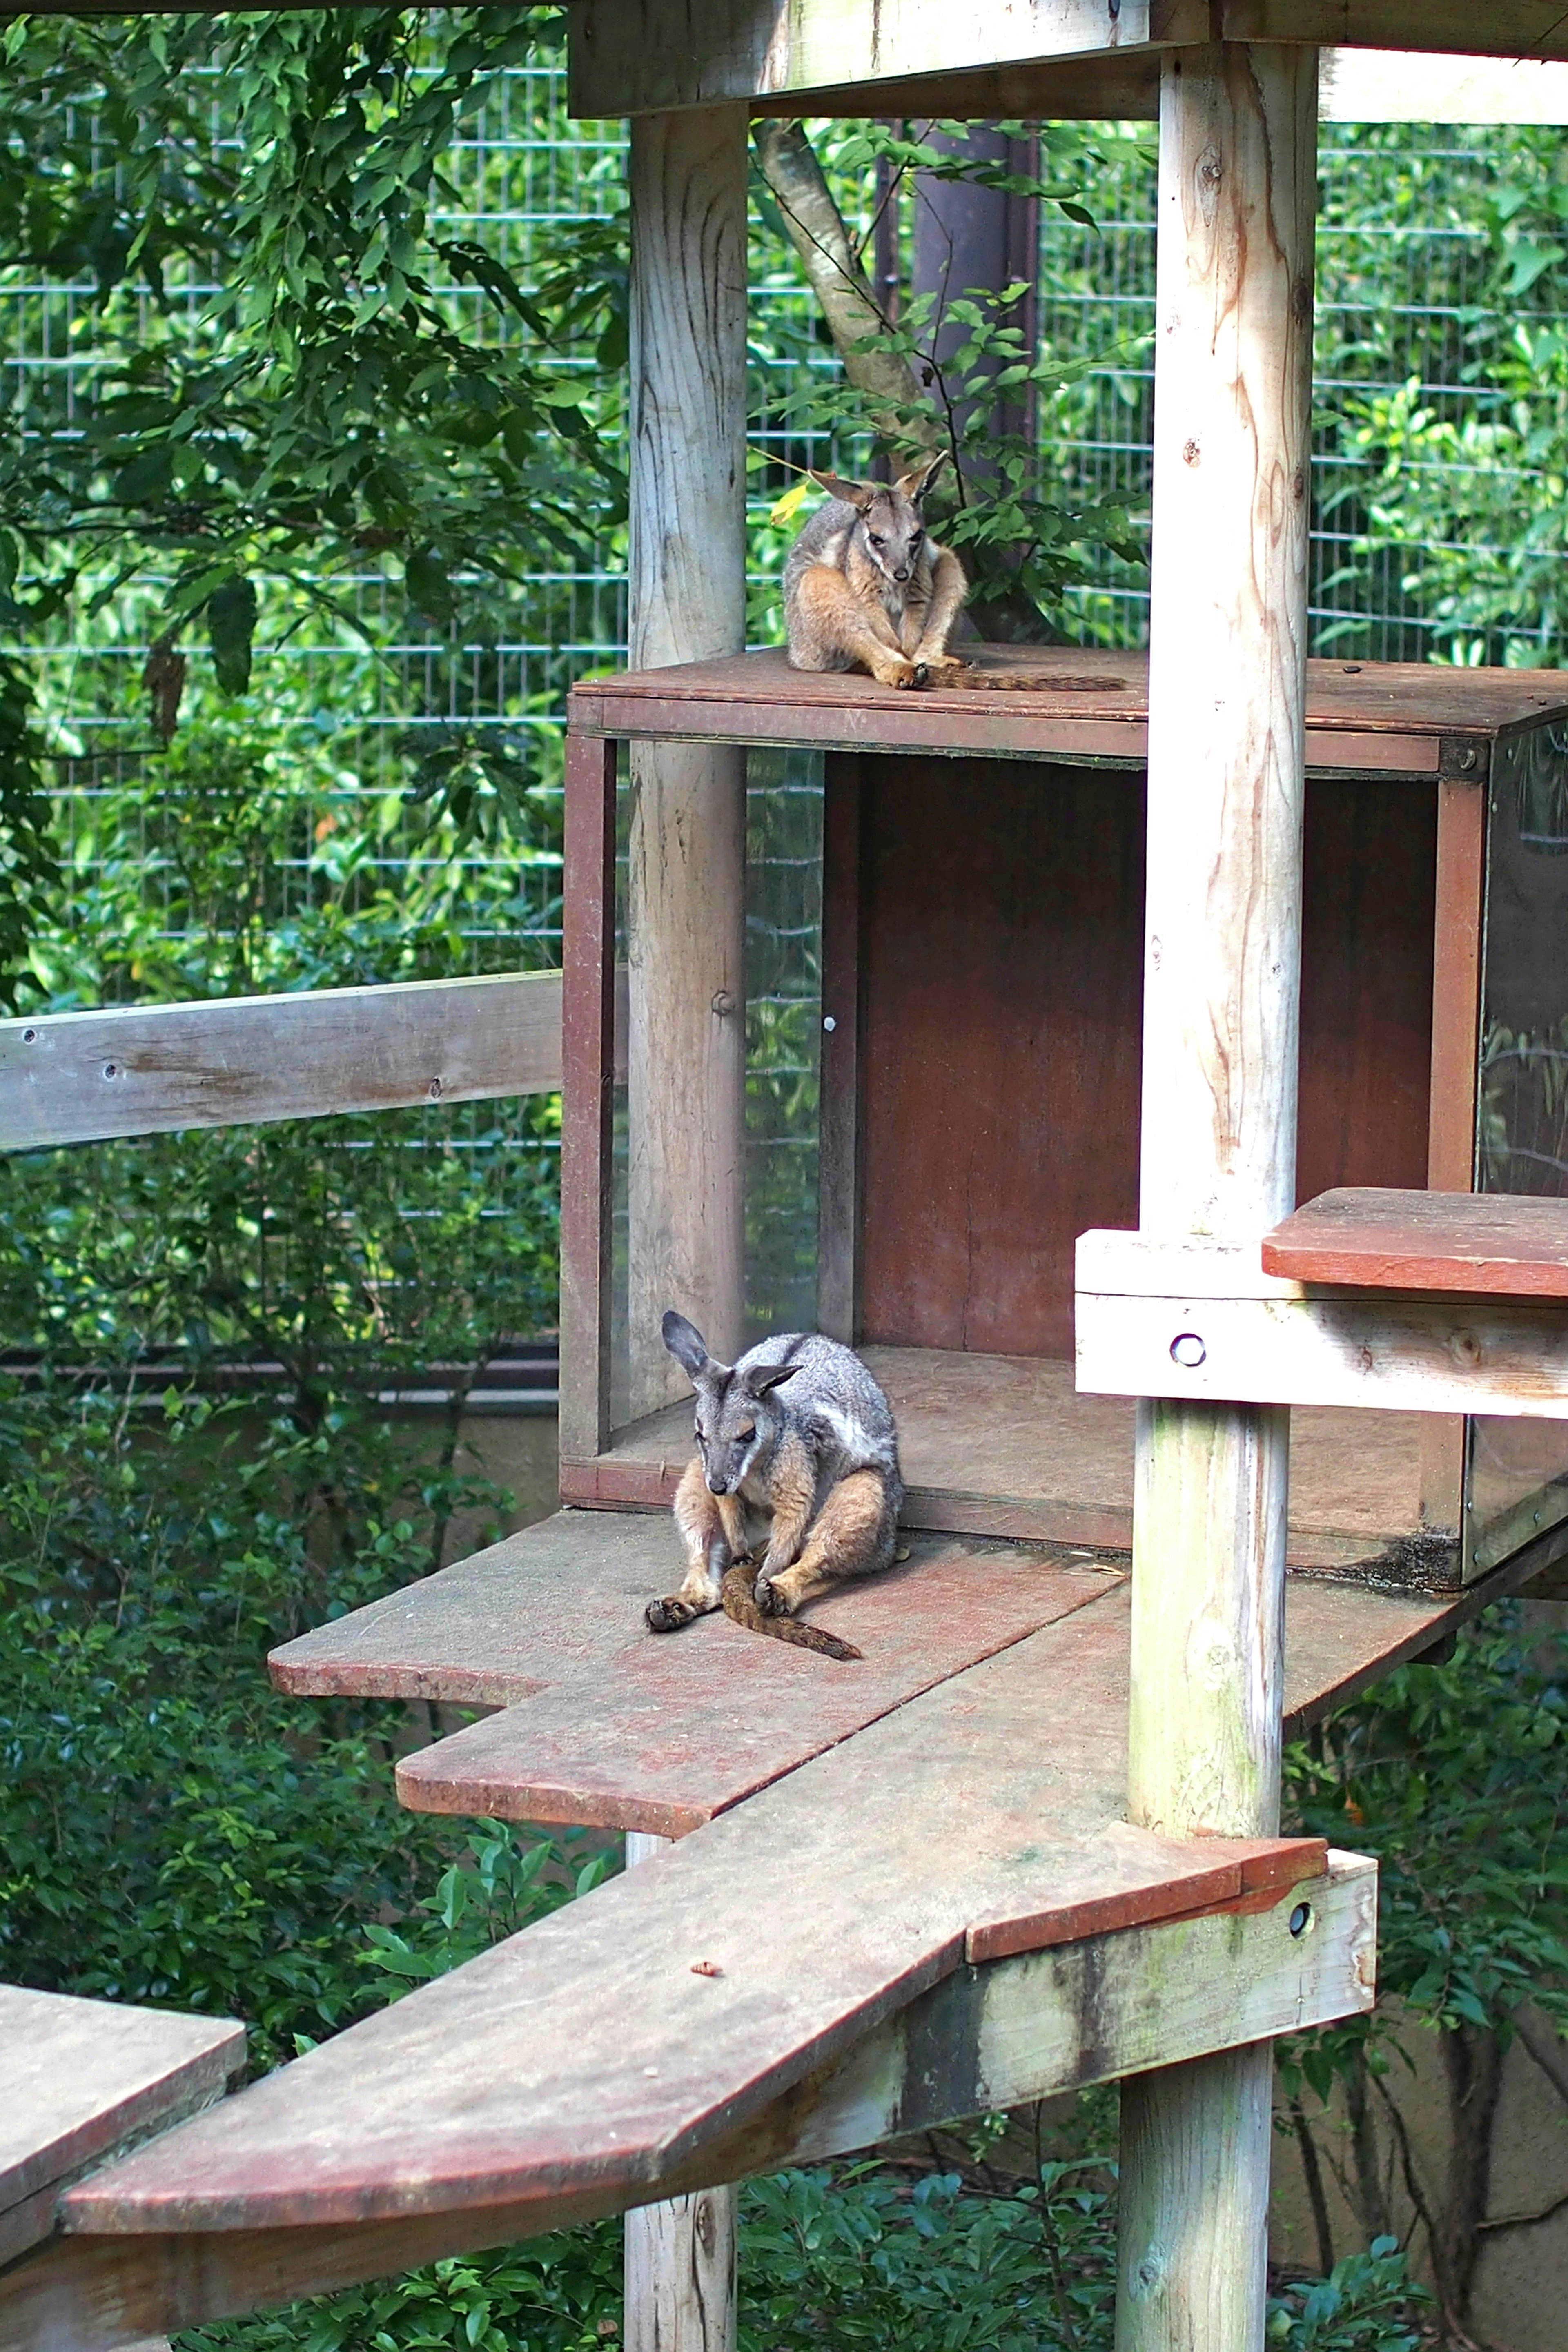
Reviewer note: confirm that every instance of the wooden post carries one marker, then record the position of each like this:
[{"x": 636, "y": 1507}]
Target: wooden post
[
  {"x": 681, "y": 2254},
  {"x": 1227, "y": 682},
  {"x": 685, "y": 1054}
]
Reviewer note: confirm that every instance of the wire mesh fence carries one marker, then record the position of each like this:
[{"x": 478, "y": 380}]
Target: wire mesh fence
[{"x": 1430, "y": 477}]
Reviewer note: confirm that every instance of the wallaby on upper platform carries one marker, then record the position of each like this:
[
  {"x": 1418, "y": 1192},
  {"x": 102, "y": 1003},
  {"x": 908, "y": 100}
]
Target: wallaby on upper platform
[
  {"x": 796, "y": 1449},
  {"x": 866, "y": 587}
]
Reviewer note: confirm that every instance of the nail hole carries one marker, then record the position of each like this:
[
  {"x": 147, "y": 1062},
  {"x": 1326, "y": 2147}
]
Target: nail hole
[
  {"x": 111, "y": 1069},
  {"x": 1301, "y": 1919},
  {"x": 1188, "y": 1350},
  {"x": 29, "y": 1036}
]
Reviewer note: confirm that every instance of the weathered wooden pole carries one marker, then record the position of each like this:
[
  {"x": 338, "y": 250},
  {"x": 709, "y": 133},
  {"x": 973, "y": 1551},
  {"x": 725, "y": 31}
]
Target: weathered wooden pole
[
  {"x": 686, "y": 890},
  {"x": 680, "y": 2255},
  {"x": 1228, "y": 624},
  {"x": 687, "y": 434}
]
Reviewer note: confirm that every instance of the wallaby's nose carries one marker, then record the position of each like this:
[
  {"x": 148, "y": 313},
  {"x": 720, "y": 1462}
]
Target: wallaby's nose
[
  {"x": 903, "y": 574},
  {"x": 718, "y": 1485}
]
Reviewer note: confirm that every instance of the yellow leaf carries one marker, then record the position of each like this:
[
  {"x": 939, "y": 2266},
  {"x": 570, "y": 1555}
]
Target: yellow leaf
[{"x": 785, "y": 510}]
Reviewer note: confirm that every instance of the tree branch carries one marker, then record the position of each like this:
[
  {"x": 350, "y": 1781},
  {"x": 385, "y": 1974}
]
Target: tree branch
[{"x": 853, "y": 316}]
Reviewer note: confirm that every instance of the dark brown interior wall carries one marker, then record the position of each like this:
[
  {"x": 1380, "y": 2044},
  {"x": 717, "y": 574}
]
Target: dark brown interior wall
[{"x": 1001, "y": 975}]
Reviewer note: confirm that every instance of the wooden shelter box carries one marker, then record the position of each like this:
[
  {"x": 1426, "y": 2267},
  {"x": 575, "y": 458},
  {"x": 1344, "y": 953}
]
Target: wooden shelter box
[{"x": 943, "y": 986}]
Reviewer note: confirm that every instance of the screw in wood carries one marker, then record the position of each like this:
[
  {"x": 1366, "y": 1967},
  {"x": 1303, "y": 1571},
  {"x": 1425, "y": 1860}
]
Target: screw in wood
[
  {"x": 1188, "y": 1350},
  {"x": 1300, "y": 1920},
  {"x": 829, "y": 1023}
]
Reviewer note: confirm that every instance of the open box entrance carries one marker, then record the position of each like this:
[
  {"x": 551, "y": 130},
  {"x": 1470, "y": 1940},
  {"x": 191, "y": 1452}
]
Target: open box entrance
[{"x": 939, "y": 1090}]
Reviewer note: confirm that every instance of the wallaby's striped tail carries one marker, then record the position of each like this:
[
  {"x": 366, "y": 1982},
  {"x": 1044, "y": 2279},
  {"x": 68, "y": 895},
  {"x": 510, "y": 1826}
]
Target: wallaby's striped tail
[{"x": 740, "y": 1605}]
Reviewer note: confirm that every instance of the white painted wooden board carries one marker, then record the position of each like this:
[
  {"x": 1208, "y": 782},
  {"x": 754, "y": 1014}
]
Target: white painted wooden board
[
  {"x": 1199, "y": 1320},
  {"x": 149, "y": 1069}
]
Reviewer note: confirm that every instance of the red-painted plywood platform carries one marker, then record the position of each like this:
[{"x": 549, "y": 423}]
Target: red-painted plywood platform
[{"x": 1478, "y": 1245}]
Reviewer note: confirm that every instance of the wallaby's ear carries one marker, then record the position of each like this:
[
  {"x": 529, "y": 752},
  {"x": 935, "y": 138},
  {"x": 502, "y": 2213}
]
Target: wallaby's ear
[
  {"x": 915, "y": 485},
  {"x": 858, "y": 494},
  {"x": 761, "y": 1378},
  {"x": 690, "y": 1348}
]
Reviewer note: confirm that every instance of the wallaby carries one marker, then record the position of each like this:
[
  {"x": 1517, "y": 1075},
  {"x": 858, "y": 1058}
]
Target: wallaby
[
  {"x": 866, "y": 586},
  {"x": 796, "y": 1449}
]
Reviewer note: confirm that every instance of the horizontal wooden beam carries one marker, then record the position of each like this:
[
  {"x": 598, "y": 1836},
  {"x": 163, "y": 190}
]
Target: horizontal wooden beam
[
  {"x": 1038, "y": 57},
  {"x": 1496, "y": 28},
  {"x": 81, "y": 1078},
  {"x": 642, "y": 57},
  {"x": 1201, "y": 1321},
  {"x": 987, "y": 2037}
]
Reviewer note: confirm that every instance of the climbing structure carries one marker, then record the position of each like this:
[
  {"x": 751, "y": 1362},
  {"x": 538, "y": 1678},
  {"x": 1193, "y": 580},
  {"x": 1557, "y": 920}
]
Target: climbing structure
[{"x": 1101, "y": 966}]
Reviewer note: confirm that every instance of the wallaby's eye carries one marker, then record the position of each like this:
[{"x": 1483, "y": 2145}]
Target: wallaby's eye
[
  {"x": 744, "y": 1436},
  {"x": 876, "y": 539}
]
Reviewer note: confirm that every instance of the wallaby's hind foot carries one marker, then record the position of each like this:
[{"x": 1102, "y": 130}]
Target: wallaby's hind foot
[{"x": 854, "y": 1532}]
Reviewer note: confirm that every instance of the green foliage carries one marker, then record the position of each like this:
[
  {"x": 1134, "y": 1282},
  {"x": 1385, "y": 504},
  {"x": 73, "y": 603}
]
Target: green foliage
[
  {"x": 1368, "y": 2303},
  {"x": 1456, "y": 1778},
  {"x": 1022, "y": 542},
  {"x": 853, "y": 2256}
]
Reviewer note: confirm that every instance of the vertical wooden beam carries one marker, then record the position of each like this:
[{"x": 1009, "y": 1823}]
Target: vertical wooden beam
[
  {"x": 587, "y": 1093},
  {"x": 838, "y": 1128},
  {"x": 1451, "y": 1107},
  {"x": 686, "y": 884},
  {"x": 680, "y": 2253},
  {"x": 1222, "y": 983}
]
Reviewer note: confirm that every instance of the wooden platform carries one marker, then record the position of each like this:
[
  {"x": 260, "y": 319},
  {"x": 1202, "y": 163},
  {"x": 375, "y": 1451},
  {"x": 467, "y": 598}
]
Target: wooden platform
[
  {"x": 591, "y": 2057},
  {"x": 1484, "y": 1245},
  {"x": 747, "y": 1999},
  {"x": 80, "y": 2077},
  {"x": 632, "y": 1731},
  {"x": 1004, "y": 1446},
  {"x": 1367, "y": 719}
]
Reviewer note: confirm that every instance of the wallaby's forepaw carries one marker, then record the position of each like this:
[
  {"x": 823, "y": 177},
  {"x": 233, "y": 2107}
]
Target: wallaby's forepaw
[
  {"x": 892, "y": 669},
  {"x": 938, "y": 669},
  {"x": 667, "y": 1616}
]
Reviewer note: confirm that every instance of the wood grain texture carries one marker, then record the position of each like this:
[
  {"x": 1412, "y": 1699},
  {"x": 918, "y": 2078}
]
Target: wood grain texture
[
  {"x": 1408, "y": 702},
  {"x": 588, "y": 1008},
  {"x": 1504, "y": 28},
  {"x": 590, "y": 2055},
  {"x": 679, "y": 2266},
  {"x": 1490, "y": 1245},
  {"x": 686, "y": 872},
  {"x": 1228, "y": 692},
  {"x": 1000, "y": 1009},
  {"x": 1338, "y": 1350},
  {"x": 76, "y": 2077},
  {"x": 79, "y": 1077},
  {"x": 628, "y": 56},
  {"x": 631, "y": 1731},
  {"x": 985, "y": 2038}
]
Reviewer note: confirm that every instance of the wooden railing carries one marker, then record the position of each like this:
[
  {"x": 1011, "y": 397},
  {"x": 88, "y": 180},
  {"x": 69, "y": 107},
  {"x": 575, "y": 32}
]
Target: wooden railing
[{"x": 81, "y": 1078}]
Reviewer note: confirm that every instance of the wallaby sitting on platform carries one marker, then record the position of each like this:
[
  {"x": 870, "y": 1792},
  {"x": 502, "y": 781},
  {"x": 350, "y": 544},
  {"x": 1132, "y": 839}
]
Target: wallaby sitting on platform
[
  {"x": 866, "y": 587},
  {"x": 797, "y": 1447}
]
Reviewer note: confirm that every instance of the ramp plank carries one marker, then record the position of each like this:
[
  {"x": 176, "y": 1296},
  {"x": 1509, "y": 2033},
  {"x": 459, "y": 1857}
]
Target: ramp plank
[
  {"x": 692, "y": 1724},
  {"x": 626, "y": 1729},
  {"x": 78, "y": 2076},
  {"x": 587, "y": 2056}
]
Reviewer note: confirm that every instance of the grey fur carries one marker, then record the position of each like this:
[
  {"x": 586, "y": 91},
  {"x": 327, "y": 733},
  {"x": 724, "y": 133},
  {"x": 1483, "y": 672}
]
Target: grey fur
[
  {"x": 797, "y": 1384},
  {"x": 892, "y": 594}
]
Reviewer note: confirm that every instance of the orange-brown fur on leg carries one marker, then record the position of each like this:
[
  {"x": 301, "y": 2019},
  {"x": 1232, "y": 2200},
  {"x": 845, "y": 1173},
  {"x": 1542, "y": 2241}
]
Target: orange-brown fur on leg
[
  {"x": 855, "y": 626},
  {"x": 712, "y": 1532},
  {"x": 851, "y": 1533}
]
